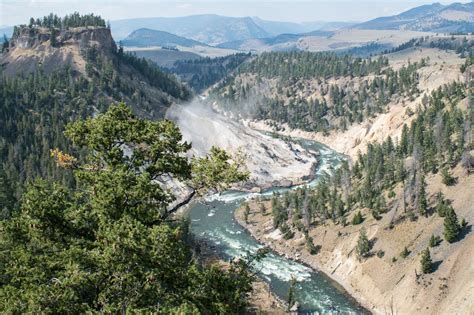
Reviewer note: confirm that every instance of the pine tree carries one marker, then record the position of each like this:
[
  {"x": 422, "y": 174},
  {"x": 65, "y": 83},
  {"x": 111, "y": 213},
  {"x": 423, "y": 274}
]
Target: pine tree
[
  {"x": 447, "y": 178},
  {"x": 246, "y": 213},
  {"x": 434, "y": 240},
  {"x": 109, "y": 247},
  {"x": 53, "y": 39},
  {"x": 358, "y": 218},
  {"x": 451, "y": 225},
  {"x": 405, "y": 252},
  {"x": 422, "y": 202},
  {"x": 291, "y": 293},
  {"x": 363, "y": 244},
  {"x": 7, "y": 199},
  {"x": 426, "y": 263}
]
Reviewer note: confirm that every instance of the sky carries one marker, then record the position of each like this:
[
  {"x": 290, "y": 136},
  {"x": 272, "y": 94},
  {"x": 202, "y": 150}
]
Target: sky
[{"x": 14, "y": 12}]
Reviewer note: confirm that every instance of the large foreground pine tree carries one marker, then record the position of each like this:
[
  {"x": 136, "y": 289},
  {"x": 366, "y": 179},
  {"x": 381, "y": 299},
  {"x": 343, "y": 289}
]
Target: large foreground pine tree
[{"x": 109, "y": 246}]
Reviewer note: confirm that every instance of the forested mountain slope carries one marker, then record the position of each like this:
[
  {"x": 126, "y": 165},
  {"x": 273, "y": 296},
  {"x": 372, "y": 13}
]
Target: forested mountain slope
[
  {"x": 316, "y": 91},
  {"x": 54, "y": 72}
]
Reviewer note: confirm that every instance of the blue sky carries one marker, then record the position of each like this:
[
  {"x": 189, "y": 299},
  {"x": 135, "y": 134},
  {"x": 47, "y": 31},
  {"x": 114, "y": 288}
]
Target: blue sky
[{"x": 18, "y": 11}]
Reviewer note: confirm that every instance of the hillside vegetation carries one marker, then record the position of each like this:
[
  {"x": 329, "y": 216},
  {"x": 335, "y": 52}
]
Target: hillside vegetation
[
  {"x": 37, "y": 102},
  {"x": 316, "y": 91}
]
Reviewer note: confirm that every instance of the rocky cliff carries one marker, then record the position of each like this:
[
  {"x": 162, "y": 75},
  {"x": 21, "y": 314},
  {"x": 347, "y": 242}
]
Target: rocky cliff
[{"x": 34, "y": 47}]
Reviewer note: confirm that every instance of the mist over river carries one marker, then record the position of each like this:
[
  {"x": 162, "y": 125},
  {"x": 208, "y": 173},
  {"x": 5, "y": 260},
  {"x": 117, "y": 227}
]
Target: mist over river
[{"x": 214, "y": 223}]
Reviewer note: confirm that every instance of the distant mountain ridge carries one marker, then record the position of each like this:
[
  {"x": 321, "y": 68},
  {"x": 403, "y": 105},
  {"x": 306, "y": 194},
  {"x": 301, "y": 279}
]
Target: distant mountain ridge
[
  {"x": 145, "y": 37},
  {"x": 456, "y": 17},
  {"x": 215, "y": 29},
  {"x": 208, "y": 28},
  {"x": 286, "y": 41}
]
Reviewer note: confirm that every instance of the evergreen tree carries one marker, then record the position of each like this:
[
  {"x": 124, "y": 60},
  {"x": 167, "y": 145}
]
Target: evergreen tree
[
  {"x": 109, "y": 246},
  {"x": 291, "y": 293},
  {"x": 422, "y": 202},
  {"x": 447, "y": 178},
  {"x": 434, "y": 240},
  {"x": 358, "y": 218},
  {"x": 246, "y": 213},
  {"x": 363, "y": 244},
  {"x": 451, "y": 225},
  {"x": 426, "y": 263},
  {"x": 405, "y": 252},
  {"x": 53, "y": 39},
  {"x": 7, "y": 199}
]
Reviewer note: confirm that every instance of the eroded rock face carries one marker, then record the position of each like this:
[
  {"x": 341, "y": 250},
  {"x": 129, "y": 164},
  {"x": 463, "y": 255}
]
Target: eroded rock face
[
  {"x": 31, "y": 48},
  {"x": 271, "y": 161},
  {"x": 31, "y": 38}
]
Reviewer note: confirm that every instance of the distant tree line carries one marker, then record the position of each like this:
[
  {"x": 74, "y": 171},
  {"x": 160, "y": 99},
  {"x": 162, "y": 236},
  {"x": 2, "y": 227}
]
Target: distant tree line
[
  {"x": 53, "y": 22},
  {"x": 310, "y": 65},
  {"x": 71, "y": 20}
]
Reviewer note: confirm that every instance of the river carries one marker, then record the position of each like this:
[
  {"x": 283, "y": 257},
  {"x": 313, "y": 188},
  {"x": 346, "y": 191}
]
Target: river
[{"x": 214, "y": 222}]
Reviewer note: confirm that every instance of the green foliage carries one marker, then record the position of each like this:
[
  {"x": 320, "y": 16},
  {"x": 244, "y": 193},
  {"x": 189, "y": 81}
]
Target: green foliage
[
  {"x": 204, "y": 72},
  {"x": 72, "y": 20},
  {"x": 153, "y": 75},
  {"x": 218, "y": 170},
  {"x": 383, "y": 166},
  {"x": 363, "y": 244},
  {"x": 442, "y": 205},
  {"x": 53, "y": 40},
  {"x": 434, "y": 240},
  {"x": 426, "y": 263},
  {"x": 405, "y": 252},
  {"x": 33, "y": 122},
  {"x": 246, "y": 213},
  {"x": 380, "y": 253},
  {"x": 7, "y": 198},
  {"x": 422, "y": 204},
  {"x": 311, "y": 65},
  {"x": 358, "y": 218},
  {"x": 313, "y": 249},
  {"x": 447, "y": 178},
  {"x": 280, "y": 215},
  {"x": 291, "y": 293},
  {"x": 339, "y": 106},
  {"x": 452, "y": 229},
  {"x": 287, "y": 232},
  {"x": 108, "y": 245},
  {"x": 469, "y": 61}
]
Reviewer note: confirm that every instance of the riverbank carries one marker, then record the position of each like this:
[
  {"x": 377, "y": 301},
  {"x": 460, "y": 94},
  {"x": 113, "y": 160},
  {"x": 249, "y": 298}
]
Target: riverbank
[{"x": 386, "y": 282}]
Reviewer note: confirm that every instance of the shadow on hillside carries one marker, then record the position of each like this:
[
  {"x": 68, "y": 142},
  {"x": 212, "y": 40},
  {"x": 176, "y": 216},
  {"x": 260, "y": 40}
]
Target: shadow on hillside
[
  {"x": 435, "y": 265},
  {"x": 465, "y": 231}
]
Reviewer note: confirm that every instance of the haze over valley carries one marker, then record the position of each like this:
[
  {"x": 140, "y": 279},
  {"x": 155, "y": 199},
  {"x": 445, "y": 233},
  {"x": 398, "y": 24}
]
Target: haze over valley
[{"x": 226, "y": 163}]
